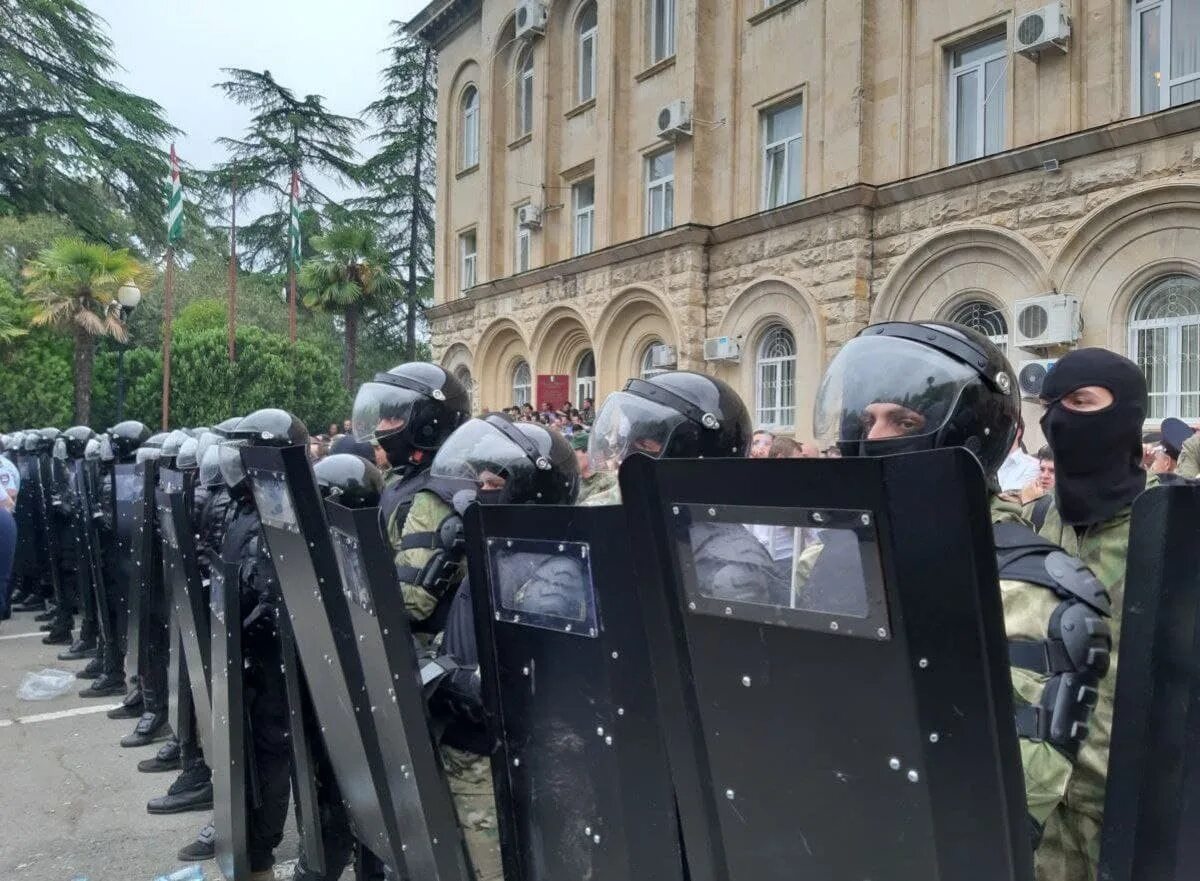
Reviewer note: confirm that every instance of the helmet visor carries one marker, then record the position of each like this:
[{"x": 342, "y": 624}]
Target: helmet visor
[
  {"x": 207, "y": 439},
  {"x": 628, "y": 424},
  {"x": 210, "y": 466},
  {"x": 887, "y": 389},
  {"x": 60, "y": 449},
  {"x": 145, "y": 454},
  {"x": 230, "y": 459},
  {"x": 91, "y": 451},
  {"x": 381, "y": 409},
  {"x": 106, "y": 449},
  {"x": 480, "y": 453},
  {"x": 186, "y": 458}
]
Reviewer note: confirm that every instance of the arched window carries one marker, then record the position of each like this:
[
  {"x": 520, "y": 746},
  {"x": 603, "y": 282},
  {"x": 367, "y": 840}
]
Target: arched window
[
  {"x": 522, "y": 384},
  {"x": 1164, "y": 340},
  {"x": 586, "y": 29},
  {"x": 984, "y": 317},
  {"x": 775, "y": 377},
  {"x": 463, "y": 375},
  {"x": 646, "y": 368},
  {"x": 525, "y": 92},
  {"x": 470, "y": 127},
  {"x": 585, "y": 378}
]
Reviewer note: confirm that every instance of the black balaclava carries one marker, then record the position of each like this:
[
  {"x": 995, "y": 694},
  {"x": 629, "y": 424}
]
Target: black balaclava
[{"x": 1097, "y": 456}]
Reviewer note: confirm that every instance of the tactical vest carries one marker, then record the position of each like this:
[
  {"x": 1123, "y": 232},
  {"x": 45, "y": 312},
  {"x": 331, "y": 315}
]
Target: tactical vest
[{"x": 1076, "y": 653}]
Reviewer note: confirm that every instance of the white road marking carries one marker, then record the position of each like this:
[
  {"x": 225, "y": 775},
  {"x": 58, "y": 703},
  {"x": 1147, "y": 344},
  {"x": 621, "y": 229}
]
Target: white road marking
[
  {"x": 22, "y": 635},
  {"x": 61, "y": 714}
]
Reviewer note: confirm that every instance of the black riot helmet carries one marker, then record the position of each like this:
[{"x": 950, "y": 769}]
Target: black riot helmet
[
  {"x": 674, "y": 415},
  {"x": 349, "y": 480},
  {"x": 76, "y": 439},
  {"x": 59, "y": 450},
  {"x": 227, "y": 425},
  {"x": 903, "y": 386},
  {"x": 185, "y": 459},
  {"x": 172, "y": 443},
  {"x": 151, "y": 449},
  {"x": 107, "y": 453},
  {"x": 126, "y": 437},
  {"x": 47, "y": 438},
  {"x": 229, "y": 460},
  {"x": 410, "y": 411},
  {"x": 512, "y": 463},
  {"x": 31, "y": 441},
  {"x": 209, "y": 439},
  {"x": 210, "y": 467},
  {"x": 91, "y": 450},
  {"x": 271, "y": 428}
]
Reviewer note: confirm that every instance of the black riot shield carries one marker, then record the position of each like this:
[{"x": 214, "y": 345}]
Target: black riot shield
[
  {"x": 191, "y": 639},
  {"x": 582, "y": 782},
  {"x": 328, "y": 641},
  {"x": 1151, "y": 813},
  {"x": 25, "y": 563},
  {"x": 843, "y": 711},
  {"x": 48, "y": 531},
  {"x": 83, "y": 484},
  {"x": 416, "y": 785},
  {"x": 228, "y": 756},
  {"x": 134, "y": 486}
]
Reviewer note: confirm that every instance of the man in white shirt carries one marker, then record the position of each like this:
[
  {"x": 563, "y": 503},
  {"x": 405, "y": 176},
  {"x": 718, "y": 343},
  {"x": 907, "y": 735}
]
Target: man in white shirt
[
  {"x": 10, "y": 481},
  {"x": 1019, "y": 468}
]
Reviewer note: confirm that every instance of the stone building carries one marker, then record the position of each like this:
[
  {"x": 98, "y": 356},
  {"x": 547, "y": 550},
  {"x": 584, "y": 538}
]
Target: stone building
[{"x": 846, "y": 161}]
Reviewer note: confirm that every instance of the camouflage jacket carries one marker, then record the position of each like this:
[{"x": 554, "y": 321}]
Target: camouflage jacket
[
  {"x": 425, "y": 516},
  {"x": 597, "y": 483},
  {"x": 1189, "y": 458}
]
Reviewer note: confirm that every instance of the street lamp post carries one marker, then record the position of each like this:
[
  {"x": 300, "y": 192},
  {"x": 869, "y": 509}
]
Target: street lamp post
[{"x": 128, "y": 296}]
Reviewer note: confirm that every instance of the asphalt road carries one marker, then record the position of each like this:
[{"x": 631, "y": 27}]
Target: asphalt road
[{"x": 72, "y": 803}]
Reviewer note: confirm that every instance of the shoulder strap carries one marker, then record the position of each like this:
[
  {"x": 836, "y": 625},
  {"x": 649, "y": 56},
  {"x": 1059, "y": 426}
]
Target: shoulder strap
[{"x": 1023, "y": 555}]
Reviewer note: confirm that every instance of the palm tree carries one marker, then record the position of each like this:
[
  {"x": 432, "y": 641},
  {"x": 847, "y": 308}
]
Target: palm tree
[
  {"x": 350, "y": 275},
  {"x": 74, "y": 285}
]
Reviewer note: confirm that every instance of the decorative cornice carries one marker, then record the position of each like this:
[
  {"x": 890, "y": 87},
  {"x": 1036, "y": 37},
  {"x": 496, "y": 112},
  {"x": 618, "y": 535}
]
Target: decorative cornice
[{"x": 441, "y": 19}]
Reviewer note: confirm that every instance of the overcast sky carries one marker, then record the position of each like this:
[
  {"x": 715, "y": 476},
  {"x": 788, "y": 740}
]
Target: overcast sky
[{"x": 172, "y": 51}]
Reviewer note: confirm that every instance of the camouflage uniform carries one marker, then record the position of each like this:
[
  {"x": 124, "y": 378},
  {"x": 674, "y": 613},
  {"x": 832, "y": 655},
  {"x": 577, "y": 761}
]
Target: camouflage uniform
[
  {"x": 1189, "y": 458},
  {"x": 426, "y": 515},
  {"x": 595, "y": 483},
  {"x": 611, "y": 495},
  {"x": 470, "y": 777},
  {"x": 1070, "y": 847}
]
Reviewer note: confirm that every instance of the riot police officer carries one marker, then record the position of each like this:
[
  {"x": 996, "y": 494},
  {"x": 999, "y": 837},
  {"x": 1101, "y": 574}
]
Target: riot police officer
[
  {"x": 504, "y": 463},
  {"x": 70, "y": 503},
  {"x": 903, "y": 387},
  {"x": 409, "y": 412}
]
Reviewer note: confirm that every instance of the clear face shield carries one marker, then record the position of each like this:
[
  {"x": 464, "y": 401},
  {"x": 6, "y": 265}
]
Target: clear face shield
[
  {"x": 627, "y": 424},
  {"x": 210, "y": 466},
  {"x": 60, "y": 450},
  {"x": 480, "y": 453},
  {"x": 91, "y": 452},
  {"x": 106, "y": 449},
  {"x": 885, "y": 395},
  {"x": 146, "y": 454},
  {"x": 381, "y": 409}
]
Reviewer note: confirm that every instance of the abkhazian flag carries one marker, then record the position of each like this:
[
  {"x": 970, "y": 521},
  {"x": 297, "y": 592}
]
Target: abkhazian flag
[
  {"x": 294, "y": 221},
  {"x": 174, "y": 202}
]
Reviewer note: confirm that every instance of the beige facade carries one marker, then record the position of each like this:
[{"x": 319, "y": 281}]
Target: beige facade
[{"x": 883, "y": 211}]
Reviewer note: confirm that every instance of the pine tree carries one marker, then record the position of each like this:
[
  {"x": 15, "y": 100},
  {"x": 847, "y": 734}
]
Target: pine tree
[
  {"x": 287, "y": 134},
  {"x": 401, "y": 174},
  {"x": 72, "y": 141}
]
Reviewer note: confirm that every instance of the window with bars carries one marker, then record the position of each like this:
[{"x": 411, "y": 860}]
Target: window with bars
[
  {"x": 976, "y": 98},
  {"x": 985, "y": 317},
  {"x": 522, "y": 384},
  {"x": 660, "y": 191},
  {"x": 775, "y": 369},
  {"x": 783, "y": 155},
  {"x": 587, "y": 53},
  {"x": 583, "y": 202},
  {"x": 1165, "y": 53},
  {"x": 1164, "y": 340},
  {"x": 470, "y": 128},
  {"x": 525, "y": 92},
  {"x": 585, "y": 378}
]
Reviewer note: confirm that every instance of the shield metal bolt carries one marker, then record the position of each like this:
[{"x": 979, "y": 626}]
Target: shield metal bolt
[
  {"x": 818, "y": 517},
  {"x": 692, "y": 606},
  {"x": 934, "y": 738},
  {"x": 562, "y": 548},
  {"x": 923, "y": 663},
  {"x": 833, "y": 625},
  {"x": 728, "y": 610},
  {"x": 615, "y": 655},
  {"x": 524, "y": 671},
  {"x": 508, "y": 544},
  {"x": 596, "y": 838},
  {"x": 587, "y": 830},
  {"x": 620, "y": 711},
  {"x": 675, "y": 510},
  {"x": 894, "y": 763},
  {"x": 913, "y": 776},
  {"x": 600, "y": 731},
  {"x": 608, "y": 740},
  {"x": 729, "y": 793},
  {"x": 881, "y": 633},
  {"x": 746, "y": 681},
  {"x": 712, "y": 512},
  {"x": 516, "y": 762},
  {"x": 866, "y": 519}
]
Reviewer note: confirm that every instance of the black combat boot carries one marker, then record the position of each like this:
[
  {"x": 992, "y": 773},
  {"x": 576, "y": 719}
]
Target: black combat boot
[
  {"x": 104, "y": 686},
  {"x": 93, "y": 670},
  {"x": 57, "y": 637},
  {"x": 79, "y": 650},
  {"x": 167, "y": 759},
  {"x": 46, "y": 616},
  {"x": 191, "y": 791},
  {"x": 131, "y": 707},
  {"x": 151, "y": 727},
  {"x": 30, "y": 603},
  {"x": 203, "y": 848}
]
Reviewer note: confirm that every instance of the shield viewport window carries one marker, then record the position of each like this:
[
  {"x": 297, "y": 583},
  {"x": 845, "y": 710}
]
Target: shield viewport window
[
  {"x": 350, "y": 564},
  {"x": 802, "y": 567},
  {"x": 546, "y": 584},
  {"x": 274, "y": 501}
]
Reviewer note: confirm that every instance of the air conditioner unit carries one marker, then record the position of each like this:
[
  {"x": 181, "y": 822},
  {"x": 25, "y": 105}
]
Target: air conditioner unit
[
  {"x": 1042, "y": 29},
  {"x": 531, "y": 18},
  {"x": 1041, "y": 322},
  {"x": 675, "y": 121},
  {"x": 662, "y": 357},
  {"x": 721, "y": 348},
  {"x": 1032, "y": 376},
  {"x": 529, "y": 217}
]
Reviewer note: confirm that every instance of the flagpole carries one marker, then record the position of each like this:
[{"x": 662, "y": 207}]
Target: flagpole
[
  {"x": 168, "y": 306},
  {"x": 233, "y": 272}
]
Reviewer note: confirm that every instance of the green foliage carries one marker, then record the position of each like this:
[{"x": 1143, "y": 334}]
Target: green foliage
[
  {"x": 72, "y": 141},
  {"x": 201, "y": 315}
]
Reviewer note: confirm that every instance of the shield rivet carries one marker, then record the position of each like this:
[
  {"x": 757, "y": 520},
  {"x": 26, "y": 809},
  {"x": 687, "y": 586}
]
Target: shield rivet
[
  {"x": 675, "y": 510},
  {"x": 894, "y": 763},
  {"x": 712, "y": 512},
  {"x": 587, "y": 830},
  {"x": 620, "y": 711},
  {"x": 866, "y": 519},
  {"x": 934, "y": 738},
  {"x": 746, "y": 681},
  {"x": 914, "y": 777},
  {"x": 516, "y": 762},
  {"x": 729, "y": 793},
  {"x": 881, "y": 633},
  {"x": 728, "y": 610},
  {"x": 615, "y": 655},
  {"x": 600, "y": 731},
  {"x": 923, "y": 663},
  {"x": 608, "y": 740},
  {"x": 596, "y": 838},
  {"x": 562, "y": 548},
  {"x": 818, "y": 517},
  {"x": 692, "y": 606},
  {"x": 524, "y": 671},
  {"x": 833, "y": 625}
]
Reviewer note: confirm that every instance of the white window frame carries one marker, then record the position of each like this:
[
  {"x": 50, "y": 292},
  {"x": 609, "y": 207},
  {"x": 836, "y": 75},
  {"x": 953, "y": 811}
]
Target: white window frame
[
  {"x": 661, "y": 26},
  {"x": 666, "y": 184},
  {"x": 787, "y": 144},
  {"x": 470, "y": 127},
  {"x": 584, "y": 218},
  {"x": 586, "y": 80},
  {"x": 1174, "y": 326},
  {"x": 525, "y": 97},
  {"x": 468, "y": 261},
  {"x": 646, "y": 370},
  {"x": 772, "y": 413},
  {"x": 957, "y": 313},
  {"x": 980, "y": 68},
  {"x": 522, "y": 386},
  {"x": 523, "y": 242},
  {"x": 1165, "y": 83},
  {"x": 585, "y": 384}
]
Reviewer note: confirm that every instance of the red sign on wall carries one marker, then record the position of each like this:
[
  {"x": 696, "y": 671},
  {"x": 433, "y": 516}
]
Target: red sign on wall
[{"x": 553, "y": 391}]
